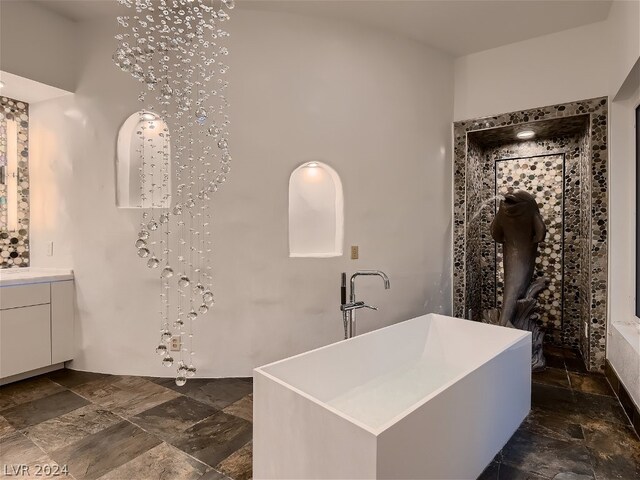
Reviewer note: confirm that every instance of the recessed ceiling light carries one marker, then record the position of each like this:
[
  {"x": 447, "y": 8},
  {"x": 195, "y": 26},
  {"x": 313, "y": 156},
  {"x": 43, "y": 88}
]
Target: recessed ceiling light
[
  {"x": 525, "y": 134},
  {"x": 148, "y": 116},
  {"x": 1, "y": 84},
  {"x": 312, "y": 164}
]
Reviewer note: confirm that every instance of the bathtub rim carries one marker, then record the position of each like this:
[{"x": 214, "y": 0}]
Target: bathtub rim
[{"x": 376, "y": 431}]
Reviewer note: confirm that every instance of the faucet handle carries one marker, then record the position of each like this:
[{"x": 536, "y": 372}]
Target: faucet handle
[
  {"x": 370, "y": 307},
  {"x": 347, "y": 307}
]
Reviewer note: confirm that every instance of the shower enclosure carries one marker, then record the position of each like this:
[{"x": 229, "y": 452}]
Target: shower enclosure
[{"x": 565, "y": 167}]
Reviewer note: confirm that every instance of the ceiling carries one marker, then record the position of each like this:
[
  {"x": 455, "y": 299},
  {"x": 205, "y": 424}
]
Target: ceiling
[
  {"x": 27, "y": 90},
  {"x": 542, "y": 129},
  {"x": 458, "y": 27}
]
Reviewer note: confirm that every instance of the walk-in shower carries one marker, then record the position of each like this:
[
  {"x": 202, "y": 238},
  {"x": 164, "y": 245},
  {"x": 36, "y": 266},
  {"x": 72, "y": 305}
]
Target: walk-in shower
[{"x": 559, "y": 155}]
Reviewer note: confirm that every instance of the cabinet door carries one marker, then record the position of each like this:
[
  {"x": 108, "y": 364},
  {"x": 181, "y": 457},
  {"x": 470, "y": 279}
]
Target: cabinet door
[
  {"x": 62, "y": 319},
  {"x": 25, "y": 339}
]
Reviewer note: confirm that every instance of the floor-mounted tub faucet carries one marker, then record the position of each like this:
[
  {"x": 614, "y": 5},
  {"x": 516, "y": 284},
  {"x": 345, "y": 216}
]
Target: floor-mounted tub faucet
[{"x": 349, "y": 309}]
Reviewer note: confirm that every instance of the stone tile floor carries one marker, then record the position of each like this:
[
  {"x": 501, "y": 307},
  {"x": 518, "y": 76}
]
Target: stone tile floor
[
  {"x": 577, "y": 429},
  {"x": 112, "y": 427}
]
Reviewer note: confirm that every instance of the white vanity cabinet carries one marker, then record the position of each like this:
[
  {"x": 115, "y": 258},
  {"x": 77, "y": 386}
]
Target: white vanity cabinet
[{"x": 36, "y": 322}]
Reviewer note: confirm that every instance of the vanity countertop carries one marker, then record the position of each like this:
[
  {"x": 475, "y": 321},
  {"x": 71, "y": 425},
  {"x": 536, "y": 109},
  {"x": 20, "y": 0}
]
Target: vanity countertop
[{"x": 28, "y": 275}]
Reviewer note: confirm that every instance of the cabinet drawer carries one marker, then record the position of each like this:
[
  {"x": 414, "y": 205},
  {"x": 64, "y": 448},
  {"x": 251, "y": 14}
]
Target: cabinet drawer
[
  {"x": 24, "y": 295},
  {"x": 25, "y": 339}
]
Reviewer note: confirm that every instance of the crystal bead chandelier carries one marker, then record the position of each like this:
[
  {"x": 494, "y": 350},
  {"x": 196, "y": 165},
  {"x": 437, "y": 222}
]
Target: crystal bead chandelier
[{"x": 176, "y": 50}]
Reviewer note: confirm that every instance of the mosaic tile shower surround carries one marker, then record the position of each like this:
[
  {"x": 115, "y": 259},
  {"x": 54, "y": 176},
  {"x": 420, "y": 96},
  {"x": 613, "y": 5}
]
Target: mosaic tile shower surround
[
  {"x": 590, "y": 246},
  {"x": 14, "y": 245},
  {"x": 585, "y": 247},
  {"x": 569, "y": 147},
  {"x": 543, "y": 177},
  {"x": 474, "y": 261}
]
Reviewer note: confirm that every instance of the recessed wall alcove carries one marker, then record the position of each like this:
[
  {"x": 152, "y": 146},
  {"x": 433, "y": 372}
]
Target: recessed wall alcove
[
  {"x": 564, "y": 166},
  {"x": 316, "y": 211},
  {"x": 142, "y": 175}
]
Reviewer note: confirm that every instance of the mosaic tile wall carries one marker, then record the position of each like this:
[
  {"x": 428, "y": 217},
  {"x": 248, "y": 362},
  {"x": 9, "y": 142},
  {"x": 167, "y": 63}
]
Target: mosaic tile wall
[
  {"x": 14, "y": 245},
  {"x": 474, "y": 262},
  {"x": 542, "y": 177},
  {"x": 585, "y": 192},
  {"x": 569, "y": 147}
]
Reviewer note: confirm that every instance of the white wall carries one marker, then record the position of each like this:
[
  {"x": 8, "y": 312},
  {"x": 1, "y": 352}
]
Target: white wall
[
  {"x": 623, "y": 348},
  {"x": 557, "y": 68},
  {"x": 38, "y": 44},
  {"x": 590, "y": 61},
  {"x": 623, "y": 342},
  {"x": 375, "y": 107},
  {"x": 623, "y": 34}
]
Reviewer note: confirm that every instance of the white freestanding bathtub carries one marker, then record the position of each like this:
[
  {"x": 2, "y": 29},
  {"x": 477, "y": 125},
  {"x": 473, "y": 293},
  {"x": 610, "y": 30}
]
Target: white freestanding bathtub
[{"x": 433, "y": 397}]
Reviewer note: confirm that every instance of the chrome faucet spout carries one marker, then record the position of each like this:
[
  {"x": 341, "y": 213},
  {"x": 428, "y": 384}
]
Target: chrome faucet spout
[
  {"x": 378, "y": 273},
  {"x": 349, "y": 309}
]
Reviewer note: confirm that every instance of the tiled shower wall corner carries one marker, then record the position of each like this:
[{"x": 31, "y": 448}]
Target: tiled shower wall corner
[
  {"x": 14, "y": 245},
  {"x": 583, "y": 244},
  {"x": 473, "y": 263}
]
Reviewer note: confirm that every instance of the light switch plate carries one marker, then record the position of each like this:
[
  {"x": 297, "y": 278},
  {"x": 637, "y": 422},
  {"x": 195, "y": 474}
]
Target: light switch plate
[
  {"x": 176, "y": 343},
  {"x": 354, "y": 252}
]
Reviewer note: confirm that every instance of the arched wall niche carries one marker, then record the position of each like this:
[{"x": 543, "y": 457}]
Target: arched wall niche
[
  {"x": 316, "y": 211},
  {"x": 143, "y": 159}
]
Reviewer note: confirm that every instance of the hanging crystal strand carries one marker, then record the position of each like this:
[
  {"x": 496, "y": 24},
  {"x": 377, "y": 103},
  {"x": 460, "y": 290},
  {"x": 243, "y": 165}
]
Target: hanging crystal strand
[
  {"x": 170, "y": 47},
  {"x": 144, "y": 238}
]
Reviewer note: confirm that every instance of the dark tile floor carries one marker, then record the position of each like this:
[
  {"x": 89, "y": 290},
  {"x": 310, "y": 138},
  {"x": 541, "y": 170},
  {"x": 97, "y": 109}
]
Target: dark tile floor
[
  {"x": 576, "y": 430},
  {"x": 113, "y": 427}
]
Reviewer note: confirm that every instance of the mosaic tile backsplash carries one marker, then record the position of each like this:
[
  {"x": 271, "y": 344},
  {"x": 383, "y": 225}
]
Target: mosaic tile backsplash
[
  {"x": 569, "y": 154},
  {"x": 14, "y": 245}
]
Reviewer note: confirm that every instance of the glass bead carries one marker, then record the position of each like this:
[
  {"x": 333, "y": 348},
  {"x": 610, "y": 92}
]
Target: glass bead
[
  {"x": 167, "y": 360},
  {"x": 230, "y": 4},
  {"x": 152, "y": 225},
  {"x": 177, "y": 210},
  {"x": 144, "y": 235},
  {"x": 191, "y": 371},
  {"x": 166, "y": 92},
  {"x": 164, "y": 218},
  {"x": 184, "y": 281},
  {"x": 179, "y": 323},
  {"x": 161, "y": 350},
  {"x": 153, "y": 262},
  {"x": 222, "y": 143},
  {"x": 141, "y": 243},
  {"x": 199, "y": 289},
  {"x": 167, "y": 272},
  {"x": 143, "y": 252},
  {"x": 203, "y": 309},
  {"x": 192, "y": 315},
  {"x": 207, "y": 297},
  {"x": 166, "y": 336},
  {"x": 201, "y": 116},
  {"x": 181, "y": 380}
]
